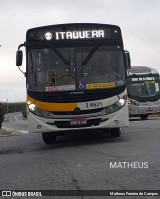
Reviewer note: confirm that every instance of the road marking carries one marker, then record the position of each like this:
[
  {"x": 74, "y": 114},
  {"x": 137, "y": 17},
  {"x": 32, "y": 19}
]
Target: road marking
[
  {"x": 15, "y": 117},
  {"x": 23, "y": 131},
  {"x": 5, "y": 128},
  {"x": 135, "y": 121},
  {"x": 12, "y": 130}
]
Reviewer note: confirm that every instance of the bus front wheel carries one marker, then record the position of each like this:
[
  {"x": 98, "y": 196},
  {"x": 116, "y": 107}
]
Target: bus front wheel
[
  {"x": 144, "y": 117},
  {"x": 49, "y": 138},
  {"x": 115, "y": 132}
]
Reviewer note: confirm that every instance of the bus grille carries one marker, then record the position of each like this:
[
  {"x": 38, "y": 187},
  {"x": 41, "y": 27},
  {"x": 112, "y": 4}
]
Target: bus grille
[
  {"x": 66, "y": 124},
  {"x": 80, "y": 112},
  {"x": 73, "y": 98}
]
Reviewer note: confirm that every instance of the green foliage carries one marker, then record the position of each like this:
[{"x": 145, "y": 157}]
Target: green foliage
[
  {"x": 14, "y": 107},
  {"x": 24, "y": 113}
]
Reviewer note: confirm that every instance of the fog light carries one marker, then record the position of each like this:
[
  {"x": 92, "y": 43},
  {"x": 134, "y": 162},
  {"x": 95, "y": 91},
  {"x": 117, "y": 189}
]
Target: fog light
[
  {"x": 116, "y": 122},
  {"x": 39, "y": 126}
]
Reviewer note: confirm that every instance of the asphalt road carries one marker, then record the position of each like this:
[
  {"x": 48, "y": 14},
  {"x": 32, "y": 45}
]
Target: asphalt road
[{"x": 83, "y": 161}]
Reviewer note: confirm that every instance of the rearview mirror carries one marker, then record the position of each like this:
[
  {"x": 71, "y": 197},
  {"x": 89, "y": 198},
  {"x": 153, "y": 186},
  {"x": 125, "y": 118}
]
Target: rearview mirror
[
  {"x": 19, "y": 57},
  {"x": 128, "y": 59}
]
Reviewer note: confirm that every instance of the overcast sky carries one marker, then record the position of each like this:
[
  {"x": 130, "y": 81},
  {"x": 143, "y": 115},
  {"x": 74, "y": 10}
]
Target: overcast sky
[{"x": 138, "y": 19}]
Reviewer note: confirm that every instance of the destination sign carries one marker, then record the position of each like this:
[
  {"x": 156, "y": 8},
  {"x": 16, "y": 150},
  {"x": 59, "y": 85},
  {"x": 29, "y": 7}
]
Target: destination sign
[
  {"x": 74, "y": 33},
  {"x": 88, "y": 34},
  {"x": 136, "y": 79}
]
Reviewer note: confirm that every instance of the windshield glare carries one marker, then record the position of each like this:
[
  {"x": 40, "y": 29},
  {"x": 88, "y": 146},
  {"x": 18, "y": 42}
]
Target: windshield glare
[{"x": 75, "y": 68}]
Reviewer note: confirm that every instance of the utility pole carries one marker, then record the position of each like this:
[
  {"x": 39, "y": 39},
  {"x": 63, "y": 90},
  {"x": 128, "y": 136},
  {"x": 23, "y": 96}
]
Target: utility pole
[{"x": 7, "y": 106}]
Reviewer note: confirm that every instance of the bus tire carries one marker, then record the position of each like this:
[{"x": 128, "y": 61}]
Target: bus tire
[
  {"x": 144, "y": 117},
  {"x": 49, "y": 138},
  {"x": 115, "y": 132}
]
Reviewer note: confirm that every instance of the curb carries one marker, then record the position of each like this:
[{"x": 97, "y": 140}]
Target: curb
[{"x": 6, "y": 133}]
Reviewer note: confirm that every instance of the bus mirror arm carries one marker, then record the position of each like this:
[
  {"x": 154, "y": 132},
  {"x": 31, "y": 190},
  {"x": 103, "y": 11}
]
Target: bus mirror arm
[
  {"x": 21, "y": 45},
  {"x": 24, "y": 73}
]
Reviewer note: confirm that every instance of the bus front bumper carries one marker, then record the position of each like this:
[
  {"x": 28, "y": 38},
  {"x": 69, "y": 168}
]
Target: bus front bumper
[
  {"x": 140, "y": 110},
  {"x": 117, "y": 119}
]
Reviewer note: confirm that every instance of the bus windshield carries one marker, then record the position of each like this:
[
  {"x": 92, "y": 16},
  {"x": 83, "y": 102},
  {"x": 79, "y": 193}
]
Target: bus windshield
[
  {"x": 75, "y": 68},
  {"x": 144, "y": 89}
]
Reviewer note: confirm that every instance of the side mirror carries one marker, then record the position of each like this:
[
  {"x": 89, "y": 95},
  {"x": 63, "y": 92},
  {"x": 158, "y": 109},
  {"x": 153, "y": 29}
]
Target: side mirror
[
  {"x": 19, "y": 57},
  {"x": 127, "y": 59}
]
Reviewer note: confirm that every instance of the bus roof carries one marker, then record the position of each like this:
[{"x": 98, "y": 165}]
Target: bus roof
[
  {"x": 139, "y": 70},
  {"x": 74, "y": 25}
]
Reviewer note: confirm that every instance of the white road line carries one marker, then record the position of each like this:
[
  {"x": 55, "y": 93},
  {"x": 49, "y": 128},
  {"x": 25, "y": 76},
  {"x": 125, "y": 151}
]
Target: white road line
[
  {"x": 8, "y": 129},
  {"x": 18, "y": 131},
  {"x": 15, "y": 117}
]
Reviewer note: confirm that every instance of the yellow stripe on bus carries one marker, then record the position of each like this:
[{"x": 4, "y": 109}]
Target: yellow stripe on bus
[{"x": 46, "y": 106}]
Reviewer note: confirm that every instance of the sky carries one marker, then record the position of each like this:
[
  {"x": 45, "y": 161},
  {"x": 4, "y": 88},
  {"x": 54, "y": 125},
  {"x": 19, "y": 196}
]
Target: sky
[{"x": 138, "y": 20}]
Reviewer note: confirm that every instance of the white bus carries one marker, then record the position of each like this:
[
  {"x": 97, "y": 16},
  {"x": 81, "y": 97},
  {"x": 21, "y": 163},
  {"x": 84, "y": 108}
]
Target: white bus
[
  {"x": 143, "y": 91},
  {"x": 75, "y": 79}
]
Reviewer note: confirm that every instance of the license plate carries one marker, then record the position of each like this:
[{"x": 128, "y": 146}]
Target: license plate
[
  {"x": 149, "y": 110},
  {"x": 78, "y": 122}
]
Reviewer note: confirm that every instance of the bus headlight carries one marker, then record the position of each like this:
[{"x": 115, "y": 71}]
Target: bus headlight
[
  {"x": 39, "y": 112},
  {"x": 32, "y": 107},
  {"x": 133, "y": 102},
  {"x": 118, "y": 105}
]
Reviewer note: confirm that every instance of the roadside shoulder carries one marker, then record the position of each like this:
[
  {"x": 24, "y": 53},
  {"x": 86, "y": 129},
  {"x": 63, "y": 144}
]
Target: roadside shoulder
[{"x": 5, "y": 132}]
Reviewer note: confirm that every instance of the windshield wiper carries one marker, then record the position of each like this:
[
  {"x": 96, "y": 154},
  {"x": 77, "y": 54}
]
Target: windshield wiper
[
  {"x": 31, "y": 56},
  {"x": 90, "y": 54},
  {"x": 60, "y": 56}
]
